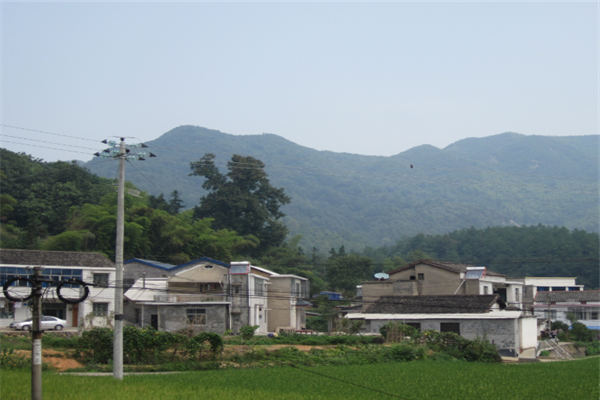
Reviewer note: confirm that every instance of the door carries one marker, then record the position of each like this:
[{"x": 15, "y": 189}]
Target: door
[
  {"x": 75, "y": 315},
  {"x": 154, "y": 321}
]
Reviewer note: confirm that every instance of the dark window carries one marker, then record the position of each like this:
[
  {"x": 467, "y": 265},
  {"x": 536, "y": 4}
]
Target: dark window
[
  {"x": 412, "y": 277},
  {"x": 558, "y": 288},
  {"x": 196, "y": 316},
  {"x": 543, "y": 289},
  {"x": 421, "y": 277},
  {"x": 101, "y": 280},
  {"x": 416, "y": 325},
  {"x": 574, "y": 288},
  {"x": 450, "y": 327},
  {"x": 100, "y": 309}
]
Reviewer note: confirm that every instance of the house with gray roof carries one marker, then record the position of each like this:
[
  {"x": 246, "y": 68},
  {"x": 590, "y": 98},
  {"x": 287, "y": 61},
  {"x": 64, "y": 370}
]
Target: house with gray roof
[
  {"x": 430, "y": 277},
  {"x": 470, "y": 316},
  {"x": 584, "y": 304},
  {"x": 93, "y": 268}
]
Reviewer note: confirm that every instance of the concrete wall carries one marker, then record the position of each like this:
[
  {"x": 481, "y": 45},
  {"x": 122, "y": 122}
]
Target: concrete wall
[
  {"x": 280, "y": 305},
  {"x": 172, "y": 317},
  {"x": 504, "y": 333},
  {"x": 436, "y": 280}
]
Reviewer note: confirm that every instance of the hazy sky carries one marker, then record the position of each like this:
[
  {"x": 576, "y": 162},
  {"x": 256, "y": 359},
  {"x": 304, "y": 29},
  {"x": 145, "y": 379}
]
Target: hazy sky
[{"x": 367, "y": 78}]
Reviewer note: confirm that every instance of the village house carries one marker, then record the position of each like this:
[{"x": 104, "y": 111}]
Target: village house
[
  {"x": 212, "y": 296},
  {"x": 428, "y": 277},
  {"x": 583, "y": 304},
  {"x": 92, "y": 268},
  {"x": 470, "y": 316}
]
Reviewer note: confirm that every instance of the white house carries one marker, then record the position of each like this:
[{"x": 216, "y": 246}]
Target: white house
[
  {"x": 470, "y": 316},
  {"x": 93, "y": 268}
]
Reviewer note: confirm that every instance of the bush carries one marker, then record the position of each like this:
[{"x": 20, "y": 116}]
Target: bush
[
  {"x": 247, "y": 331},
  {"x": 396, "y": 332},
  {"x": 11, "y": 360},
  {"x": 581, "y": 333}
]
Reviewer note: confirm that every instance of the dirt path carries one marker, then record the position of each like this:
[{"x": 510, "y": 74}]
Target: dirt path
[{"x": 60, "y": 360}]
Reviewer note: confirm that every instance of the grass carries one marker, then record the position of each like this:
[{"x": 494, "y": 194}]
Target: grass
[{"x": 408, "y": 380}]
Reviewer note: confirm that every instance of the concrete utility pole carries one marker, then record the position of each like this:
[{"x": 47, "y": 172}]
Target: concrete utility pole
[
  {"x": 118, "y": 332},
  {"x": 122, "y": 154},
  {"x": 36, "y": 336}
]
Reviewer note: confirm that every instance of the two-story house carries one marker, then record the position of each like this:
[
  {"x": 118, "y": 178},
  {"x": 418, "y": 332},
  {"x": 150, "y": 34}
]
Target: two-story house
[
  {"x": 92, "y": 268},
  {"x": 429, "y": 277},
  {"x": 212, "y": 296}
]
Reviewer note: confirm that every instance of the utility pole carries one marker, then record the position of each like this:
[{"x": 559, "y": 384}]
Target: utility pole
[
  {"x": 118, "y": 332},
  {"x": 36, "y": 336},
  {"x": 549, "y": 319},
  {"x": 123, "y": 154}
]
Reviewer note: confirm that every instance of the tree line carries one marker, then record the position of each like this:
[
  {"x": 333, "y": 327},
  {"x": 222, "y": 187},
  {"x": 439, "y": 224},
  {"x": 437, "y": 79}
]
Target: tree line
[{"x": 62, "y": 206}]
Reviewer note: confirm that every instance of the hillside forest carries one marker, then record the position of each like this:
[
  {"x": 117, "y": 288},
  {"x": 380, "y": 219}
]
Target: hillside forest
[{"x": 63, "y": 206}]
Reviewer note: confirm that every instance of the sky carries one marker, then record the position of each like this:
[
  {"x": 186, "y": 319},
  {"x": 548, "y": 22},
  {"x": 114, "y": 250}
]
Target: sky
[{"x": 365, "y": 78}]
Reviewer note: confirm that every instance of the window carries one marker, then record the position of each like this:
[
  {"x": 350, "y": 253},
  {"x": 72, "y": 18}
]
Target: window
[
  {"x": 552, "y": 314},
  {"x": 450, "y": 327},
  {"x": 138, "y": 316},
  {"x": 485, "y": 290},
  {"x": 594, "y": 315},
  {"x": 100, "y": 309},
  {"x": 412, "y": 277},
  {"x": 196, "y": 316},
  {"x": 259, "y": 287},
  {"x": 421, "y": 277},
  {"x": 236, "y": 289},
  {"x": 101, "y": 280},
  {"x": 543, "y": 289},
  {"x": 517, "y": 295},
  {"x": 574, "y": 288},
  {"x": 558, "y": 288},
  {"x": 416, "y": 325}
]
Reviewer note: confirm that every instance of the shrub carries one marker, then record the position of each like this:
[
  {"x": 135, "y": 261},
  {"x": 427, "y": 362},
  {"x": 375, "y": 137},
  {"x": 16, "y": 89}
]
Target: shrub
[
  {"x": 247, "y": 331},
  {"x": 396, "y": 332},
  {"x": 11, "y": 360}
]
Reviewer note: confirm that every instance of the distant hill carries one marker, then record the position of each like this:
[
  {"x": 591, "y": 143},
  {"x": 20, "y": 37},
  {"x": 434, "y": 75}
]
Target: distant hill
[{"x": 356, "y": 200}]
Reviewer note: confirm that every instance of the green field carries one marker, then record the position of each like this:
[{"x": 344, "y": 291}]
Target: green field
[{"x": 408, "y": 380}]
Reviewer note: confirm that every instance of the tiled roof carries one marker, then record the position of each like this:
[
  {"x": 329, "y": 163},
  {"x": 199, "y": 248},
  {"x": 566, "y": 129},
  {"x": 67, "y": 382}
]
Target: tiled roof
[
  {"x": 453, "y": 267},
  {"x": 567, "y": 297},
  {"x": 441, "y": 304},
  {"x": 54, "y": 258}
]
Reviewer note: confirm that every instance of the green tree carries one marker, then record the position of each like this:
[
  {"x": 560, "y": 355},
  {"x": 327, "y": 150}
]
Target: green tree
[
  {"x": 345, "y": 272},
  {"x": 243, "y": 200}
]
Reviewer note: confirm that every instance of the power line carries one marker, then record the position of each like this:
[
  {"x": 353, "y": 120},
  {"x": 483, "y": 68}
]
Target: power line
[
  {"x": 347, "y": 382},
  {"x": 49, "y": 133}
]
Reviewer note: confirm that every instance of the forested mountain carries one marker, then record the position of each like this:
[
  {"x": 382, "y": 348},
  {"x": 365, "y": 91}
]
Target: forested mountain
[{"x": 355, "y": 200}]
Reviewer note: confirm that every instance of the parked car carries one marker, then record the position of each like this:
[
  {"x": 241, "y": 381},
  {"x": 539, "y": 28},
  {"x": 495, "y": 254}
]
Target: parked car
[{"x": 47, "y": 323}]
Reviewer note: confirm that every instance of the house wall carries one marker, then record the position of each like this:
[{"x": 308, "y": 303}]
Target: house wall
[
  {"x": 504, "y": 333},
  {"x": 528, "y": 332},
  {"x": 200, "y": 273},
  {"x": 257, "y": 305},
  {"x": 280, "y": 305},
  {"x": 135, "y": 270},
  {"x": 436, "y": 280}
]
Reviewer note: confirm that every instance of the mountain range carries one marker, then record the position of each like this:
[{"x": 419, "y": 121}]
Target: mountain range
[{"x": 358, "y": 200}]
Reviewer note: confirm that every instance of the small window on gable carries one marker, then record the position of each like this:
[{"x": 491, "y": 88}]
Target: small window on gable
[
  {"x": 208, "y": 266},
  {"x": 421, "y": 277}
]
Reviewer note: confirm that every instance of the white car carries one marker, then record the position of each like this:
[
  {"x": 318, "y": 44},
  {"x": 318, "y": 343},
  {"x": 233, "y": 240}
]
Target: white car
[{"x": 47, "y": 323}]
